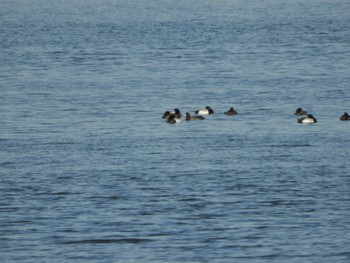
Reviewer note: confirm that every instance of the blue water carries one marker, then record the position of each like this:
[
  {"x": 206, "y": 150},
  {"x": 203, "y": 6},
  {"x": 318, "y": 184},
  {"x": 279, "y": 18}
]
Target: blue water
[{"x": 89, "y": 172}]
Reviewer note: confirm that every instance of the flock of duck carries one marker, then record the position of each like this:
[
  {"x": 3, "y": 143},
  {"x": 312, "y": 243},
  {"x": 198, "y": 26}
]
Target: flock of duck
[{"x": 175, "y": 115}]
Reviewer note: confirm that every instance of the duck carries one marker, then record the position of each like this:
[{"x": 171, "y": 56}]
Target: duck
[
  {"x": 193, "y": 118},
  {"x": 206, "y": 111},
  {"x": 308, "y": 119},
  {"x": 231, "y": 111},
  {"x": 177, "y": 113},
  {"x": 345, "y": 117},
  {"x": 173, "y": 119},
  {"x": 300, "y": 111},
  {"x": 167, "y": 113}
]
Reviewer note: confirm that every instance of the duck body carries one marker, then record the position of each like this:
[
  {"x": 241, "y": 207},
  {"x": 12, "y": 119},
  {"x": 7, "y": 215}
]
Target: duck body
[
  {"x": 300, "y": 112},
  {"x": 231, "y": 111},
  {"x": 206, "y": 111},
  {"x": 345, "y": 117},
  {"x": 193, "y": 118},
  {"x": 308, "y": 119},
  {"x": 173, "y": 119}
]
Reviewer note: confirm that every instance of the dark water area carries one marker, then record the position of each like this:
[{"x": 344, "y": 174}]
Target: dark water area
[{"x": 89, "y": 172}]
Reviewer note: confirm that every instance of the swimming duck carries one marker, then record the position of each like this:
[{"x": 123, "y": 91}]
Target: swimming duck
[
  {"x": 166, "y": 115},
  {"x": 193, "y": 118},
  {"x": 176, "y": 112},
  {"x": 300, "y": 111},
  {"x": 231, "y": 111},
  {"x": 173, "y": 119},
  {"x": 206, "y": 111},
  {"x": 308, "y": 119},
  {"x": 345, "y": 117}
]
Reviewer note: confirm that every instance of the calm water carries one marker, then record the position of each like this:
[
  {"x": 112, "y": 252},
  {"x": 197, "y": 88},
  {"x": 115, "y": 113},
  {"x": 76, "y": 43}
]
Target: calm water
[{"x": 91, "y": 173}]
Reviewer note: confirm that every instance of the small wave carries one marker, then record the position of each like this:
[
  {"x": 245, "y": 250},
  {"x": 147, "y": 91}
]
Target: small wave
[
  {"x": 290, "y": 145},
  {"x": 301, "y": 145},
  {"x": 113, "y": 197},
  {"x": 105, "y": 241}
]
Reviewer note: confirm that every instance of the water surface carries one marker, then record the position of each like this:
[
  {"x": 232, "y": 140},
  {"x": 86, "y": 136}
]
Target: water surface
[{"x": 91, "y": 173}]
